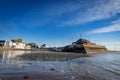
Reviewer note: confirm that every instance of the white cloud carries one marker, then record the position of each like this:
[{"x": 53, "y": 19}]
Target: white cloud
[
  {"x": 116, "y": 21},
  {"x": 101, "y": 9},
  {"x": 111, "y": 28}
]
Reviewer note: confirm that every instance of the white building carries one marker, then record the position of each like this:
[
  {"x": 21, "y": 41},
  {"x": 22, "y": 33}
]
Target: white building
[
  {"x": 8, "y": 44},
  {"x": 5, "y": 44},
  {"x": 44, "y": 46},
  {"x": 27, "y": 47},
  {"x": 13, "y": 44},
  {"x": 18, "y": 45}
]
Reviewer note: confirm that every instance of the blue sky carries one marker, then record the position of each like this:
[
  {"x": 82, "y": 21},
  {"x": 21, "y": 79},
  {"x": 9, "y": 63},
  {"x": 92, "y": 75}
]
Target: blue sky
[{"x": 61, "y": 22}]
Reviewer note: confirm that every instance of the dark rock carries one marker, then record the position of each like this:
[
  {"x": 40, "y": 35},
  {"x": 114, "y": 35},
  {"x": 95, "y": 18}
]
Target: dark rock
[
  {"x": 52, "y": 69},
  {"x": 25, "y": 77},
  {"x": 23, "y": 66}
]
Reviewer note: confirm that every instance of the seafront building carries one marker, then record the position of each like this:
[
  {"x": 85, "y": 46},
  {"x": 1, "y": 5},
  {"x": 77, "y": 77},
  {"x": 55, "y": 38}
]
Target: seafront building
[
  {"x": 44, "y": 46},
  {"x": 32, "y": 45},
  {"x": 17, "y": 44},
  {"x": 5, "y": 43},
  {"x": 2, "y": 43}
]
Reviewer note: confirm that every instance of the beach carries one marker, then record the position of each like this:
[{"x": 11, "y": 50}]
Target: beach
[{"x": 94, "y": 67}]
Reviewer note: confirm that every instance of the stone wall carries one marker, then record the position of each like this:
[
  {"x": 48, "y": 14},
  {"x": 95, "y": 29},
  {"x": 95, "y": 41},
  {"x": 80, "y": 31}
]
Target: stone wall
[{"x": 95, "y": 49}]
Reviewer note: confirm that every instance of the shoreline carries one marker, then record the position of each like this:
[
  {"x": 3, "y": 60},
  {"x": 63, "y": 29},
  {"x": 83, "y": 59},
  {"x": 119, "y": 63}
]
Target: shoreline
[
  {"x": 47, "y": 49},
  {"x": 22, "y": 49}
]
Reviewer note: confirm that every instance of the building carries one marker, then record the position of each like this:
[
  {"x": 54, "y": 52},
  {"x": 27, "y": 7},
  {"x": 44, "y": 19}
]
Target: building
[
  {"x": 18, "y": 44},
  {"x": 27, "y": 46},
  {"x": 44, "y": 46},
  {"x": 32, "y": 45},
  {"x": 12, "y": 44},
  {"x": 85, "y": 46},
  {"x": 2, "y": 43},
  {"x": 5, "y": 44}
]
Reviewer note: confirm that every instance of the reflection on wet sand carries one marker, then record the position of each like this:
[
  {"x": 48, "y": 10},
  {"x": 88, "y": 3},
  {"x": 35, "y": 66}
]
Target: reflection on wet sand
[{"x": 9, "y": 57}]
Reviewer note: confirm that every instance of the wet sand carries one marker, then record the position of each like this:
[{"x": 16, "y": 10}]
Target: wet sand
[
  {"x": 30, "y": 74},
  {"x": 99, "y": 66},
  {"x": 96, "y": 67}
]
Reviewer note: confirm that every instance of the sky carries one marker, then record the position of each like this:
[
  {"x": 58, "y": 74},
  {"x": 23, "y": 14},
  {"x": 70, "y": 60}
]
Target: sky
[{"x": 61, "y": 22}]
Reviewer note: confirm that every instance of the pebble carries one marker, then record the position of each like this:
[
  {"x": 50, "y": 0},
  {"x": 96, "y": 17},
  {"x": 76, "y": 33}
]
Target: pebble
[
  {"x": 25, "y": 77},
  {"x": 52, "y": 69}
]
